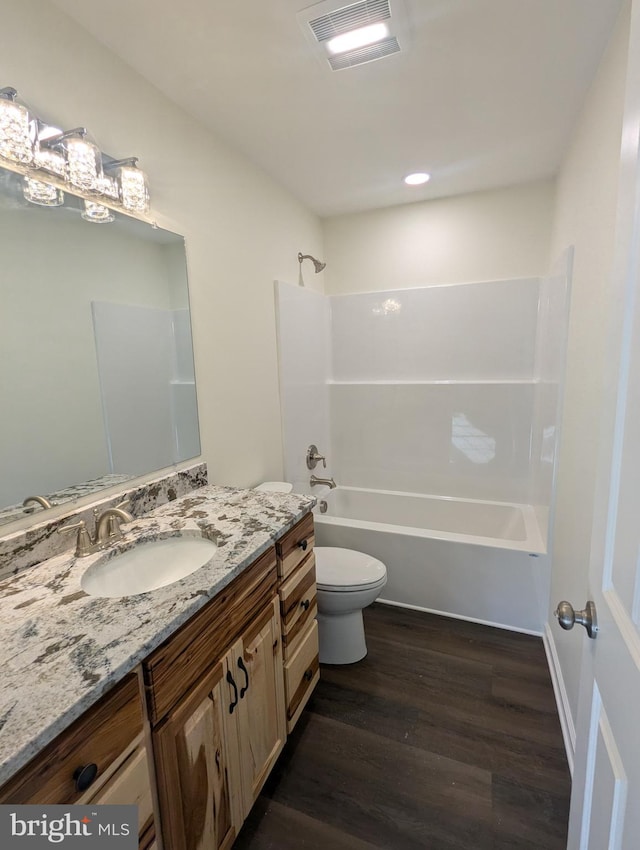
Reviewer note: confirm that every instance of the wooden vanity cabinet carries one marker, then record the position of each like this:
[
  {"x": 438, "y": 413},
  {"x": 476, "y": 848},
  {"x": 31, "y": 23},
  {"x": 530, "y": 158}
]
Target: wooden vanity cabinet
[
  {"x": 217, "y": 743},
  {"x": 217, "y": 706},
  {"x": 298, "y": 607},
  {"x": 107, "y": 743}
]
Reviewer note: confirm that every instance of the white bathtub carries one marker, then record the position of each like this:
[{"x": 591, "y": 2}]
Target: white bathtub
[{"x": 477, "y": 560}]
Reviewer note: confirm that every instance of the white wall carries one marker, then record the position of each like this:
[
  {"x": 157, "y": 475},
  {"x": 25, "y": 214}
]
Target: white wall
[
  {"x": 242, "y": 230},
  {"x": 585, "y": 217},
  {"x": 492, "y": 235},
  {"x": 304, "y": 336}
]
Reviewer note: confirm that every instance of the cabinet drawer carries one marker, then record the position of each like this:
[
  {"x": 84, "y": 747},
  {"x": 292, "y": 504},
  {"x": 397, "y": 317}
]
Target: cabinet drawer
[
  {"x": 176, "y": 666},
  {"x": 298, "y": 605},
  {"x": 301, "y": 674},
  {"x": 128, "y": 786},
  {"x": 99, "y": 737},
  {"x": 294, "y": 547}
]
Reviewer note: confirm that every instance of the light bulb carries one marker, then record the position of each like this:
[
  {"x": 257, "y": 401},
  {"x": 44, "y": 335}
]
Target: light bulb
[
  {"x": 85, "y": 164},
  {"x": 16, "y": 142},
  {"x": 41, "y": 193},
  {"x": 134, "y": 192}
]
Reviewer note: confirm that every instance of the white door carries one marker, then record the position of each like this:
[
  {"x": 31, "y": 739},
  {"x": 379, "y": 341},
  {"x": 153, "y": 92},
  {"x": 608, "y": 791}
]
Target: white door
[{"x": 605, "y": 803}]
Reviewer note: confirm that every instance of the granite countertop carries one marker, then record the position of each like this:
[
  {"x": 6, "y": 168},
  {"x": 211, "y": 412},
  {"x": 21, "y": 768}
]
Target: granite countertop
[{"x": 61, "y": 649}]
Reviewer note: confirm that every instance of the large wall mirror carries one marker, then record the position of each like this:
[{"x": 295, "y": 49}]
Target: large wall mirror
[{"x": 96, "y": 362}]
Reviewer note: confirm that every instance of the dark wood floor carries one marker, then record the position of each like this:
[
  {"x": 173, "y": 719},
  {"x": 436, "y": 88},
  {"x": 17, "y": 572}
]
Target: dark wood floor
[{"x": 446, "y": 736}]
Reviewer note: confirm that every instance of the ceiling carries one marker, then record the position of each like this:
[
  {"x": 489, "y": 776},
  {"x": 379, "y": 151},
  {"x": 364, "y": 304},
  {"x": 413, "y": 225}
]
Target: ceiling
[{"x": 485, "y": 94}]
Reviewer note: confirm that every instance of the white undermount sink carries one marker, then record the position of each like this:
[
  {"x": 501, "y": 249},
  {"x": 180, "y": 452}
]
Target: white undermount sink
[{"x": 147, "y": 566}]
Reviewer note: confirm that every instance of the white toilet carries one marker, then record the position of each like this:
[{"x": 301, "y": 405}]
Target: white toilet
[{"x": 347, "y": 582}]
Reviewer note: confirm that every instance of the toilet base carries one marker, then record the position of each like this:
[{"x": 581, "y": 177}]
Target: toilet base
[{"x": 341, "y": 638}]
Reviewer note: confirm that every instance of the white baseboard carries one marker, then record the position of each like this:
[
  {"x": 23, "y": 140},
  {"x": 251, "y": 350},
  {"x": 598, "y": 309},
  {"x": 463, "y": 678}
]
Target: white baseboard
[
  {"x": 459, "y": 617},
  {"x": 562, "y": 699}
]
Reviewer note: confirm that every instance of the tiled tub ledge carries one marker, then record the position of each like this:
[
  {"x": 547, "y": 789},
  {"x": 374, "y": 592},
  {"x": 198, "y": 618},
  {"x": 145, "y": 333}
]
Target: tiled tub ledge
[{"x": 62, "y": 649}]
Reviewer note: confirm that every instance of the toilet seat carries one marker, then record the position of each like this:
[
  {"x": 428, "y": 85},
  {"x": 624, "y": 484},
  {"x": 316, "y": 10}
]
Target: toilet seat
[{"x": 344, "y": 570}]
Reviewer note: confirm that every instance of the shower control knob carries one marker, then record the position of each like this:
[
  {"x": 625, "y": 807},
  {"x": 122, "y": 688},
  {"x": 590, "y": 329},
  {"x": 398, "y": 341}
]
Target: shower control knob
[
  {"x": 567, "y": 617},
  {"x": 313, "y": 458}
]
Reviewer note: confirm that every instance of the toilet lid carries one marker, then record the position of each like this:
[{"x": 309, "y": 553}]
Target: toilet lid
[{"x": 345, "y": 569}]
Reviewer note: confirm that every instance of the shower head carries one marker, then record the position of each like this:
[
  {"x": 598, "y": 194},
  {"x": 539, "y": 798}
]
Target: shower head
[{"x": 318, "y": 266}]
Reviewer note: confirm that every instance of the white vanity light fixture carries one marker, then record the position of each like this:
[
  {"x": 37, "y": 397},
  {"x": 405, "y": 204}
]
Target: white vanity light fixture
[
  {"x": 97, "y": 213},
  {"x": 51, "y": 161},
  {"x": 41, "y": 193},
  {"x": 84, "y": 162},
  {"x": 108, "y": 186},
  {"x": 83, "y": 158},
  {"x": 16, "y": 139},
  {"x": 418, "y": 178},
  {"x": 132, "y": 184}
]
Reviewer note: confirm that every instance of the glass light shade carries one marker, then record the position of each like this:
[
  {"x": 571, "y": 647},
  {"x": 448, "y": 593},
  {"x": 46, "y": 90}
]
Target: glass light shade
[
  {"x": 108, "y": 186},
  {"x": 360, "y": 37},
  {"x": 84, "y": 161},
  {"x": 41, "y": 193},
  {"x": 16, "y": 142},
  {"x": 134, "y": 191},
  {"x": 50, "y": 161},
  {"x": 97, "y": 213}
]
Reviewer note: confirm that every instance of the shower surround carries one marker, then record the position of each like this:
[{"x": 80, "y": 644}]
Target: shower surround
[{"x": 451, "y": 391}]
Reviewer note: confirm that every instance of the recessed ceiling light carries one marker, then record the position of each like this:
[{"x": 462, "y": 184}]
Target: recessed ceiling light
[
  {"x": 417, "y": 179},
  {"x": 357, "y": 38}
]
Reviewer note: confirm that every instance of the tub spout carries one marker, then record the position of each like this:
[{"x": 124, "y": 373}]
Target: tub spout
[{"x": 328, "y": 481}]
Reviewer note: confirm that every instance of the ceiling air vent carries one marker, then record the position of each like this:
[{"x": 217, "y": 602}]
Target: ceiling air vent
[
  {"x": 330, "y": 19},
  {"x": 364, "y": 54},
  {"x": 350, "y": 18}
]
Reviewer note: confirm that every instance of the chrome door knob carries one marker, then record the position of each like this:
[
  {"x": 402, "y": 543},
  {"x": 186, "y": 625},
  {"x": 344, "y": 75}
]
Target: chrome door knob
[{"x": 568, "y": 617}]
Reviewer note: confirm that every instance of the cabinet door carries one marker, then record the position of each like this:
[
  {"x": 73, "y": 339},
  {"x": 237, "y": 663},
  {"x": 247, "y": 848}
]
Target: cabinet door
[
  {"x": 255, "y": 663},
  {"x": 195, "y": 775}
]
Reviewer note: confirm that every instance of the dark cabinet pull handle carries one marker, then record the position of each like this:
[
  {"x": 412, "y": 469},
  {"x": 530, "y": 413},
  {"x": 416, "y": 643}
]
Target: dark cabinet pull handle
[
  {"x": 84, "y": 776},
  {"x": 235, "y": 692},
  {"x": 246, "y": 676},
  {"x": 305, "y": 604},
  {"x": 308, "y": 675},
  {"x": 303, "y": 545}
]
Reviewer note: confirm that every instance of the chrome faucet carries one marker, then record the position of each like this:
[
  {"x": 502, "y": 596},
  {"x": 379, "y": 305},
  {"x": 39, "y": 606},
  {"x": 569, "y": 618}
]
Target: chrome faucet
[
  {"x": 108, "y": 524},
  {"x": 328, "y": 481},
  {"x": 107, "y": 530}
]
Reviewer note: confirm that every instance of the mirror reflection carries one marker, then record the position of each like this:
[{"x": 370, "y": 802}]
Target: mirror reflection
[{"x": 96, "y": 358}]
